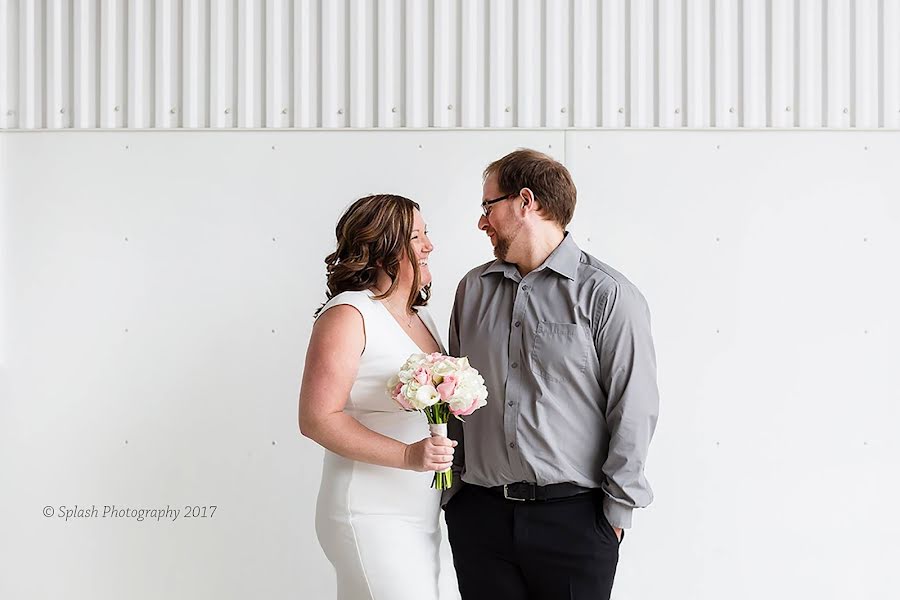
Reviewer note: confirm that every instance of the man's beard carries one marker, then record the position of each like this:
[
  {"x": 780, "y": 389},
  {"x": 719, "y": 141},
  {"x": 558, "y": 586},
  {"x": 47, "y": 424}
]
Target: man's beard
[{"x": 501, "y": 249}]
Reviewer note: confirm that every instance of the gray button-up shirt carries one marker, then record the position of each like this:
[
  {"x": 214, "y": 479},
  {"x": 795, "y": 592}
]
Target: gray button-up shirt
[{"x": 569, "y": 364}]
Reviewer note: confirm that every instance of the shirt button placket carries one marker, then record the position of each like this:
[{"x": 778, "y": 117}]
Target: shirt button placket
[{"x": 513, "y": 380}]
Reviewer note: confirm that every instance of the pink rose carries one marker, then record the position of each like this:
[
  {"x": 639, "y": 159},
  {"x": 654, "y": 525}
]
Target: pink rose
[
  {"x": 400, "y": 398},
  {"x": 422, "y": 376},
  {"x": 477, "y": 402},
  {"x": 467, "y": 410},
  {"x": 447, "y": 387}
]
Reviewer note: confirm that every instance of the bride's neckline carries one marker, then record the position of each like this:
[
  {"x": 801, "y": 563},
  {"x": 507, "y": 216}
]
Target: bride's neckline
[{"x": 404, "y": 330}]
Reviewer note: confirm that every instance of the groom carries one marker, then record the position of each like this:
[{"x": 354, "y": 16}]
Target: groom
[{"x": 551, "y": 469}]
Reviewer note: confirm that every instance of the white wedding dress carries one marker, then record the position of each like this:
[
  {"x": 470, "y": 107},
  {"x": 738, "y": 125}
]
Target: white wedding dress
[{"x": 379, "y": 525}]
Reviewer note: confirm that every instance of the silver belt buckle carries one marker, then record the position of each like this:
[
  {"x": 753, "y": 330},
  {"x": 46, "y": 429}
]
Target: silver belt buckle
[{"x": 507, "y": 496}]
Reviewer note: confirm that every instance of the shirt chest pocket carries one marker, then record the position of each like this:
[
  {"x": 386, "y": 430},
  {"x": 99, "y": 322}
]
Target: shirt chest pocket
[{"x": 560, "y": 351}]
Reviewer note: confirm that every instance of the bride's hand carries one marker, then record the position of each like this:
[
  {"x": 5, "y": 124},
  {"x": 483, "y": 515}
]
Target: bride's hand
[{"x": 434, "y": 453}]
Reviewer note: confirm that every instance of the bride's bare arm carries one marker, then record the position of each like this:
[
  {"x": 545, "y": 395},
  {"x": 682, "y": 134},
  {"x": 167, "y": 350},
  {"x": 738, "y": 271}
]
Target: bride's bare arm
[{"x": 332, "y": 361}]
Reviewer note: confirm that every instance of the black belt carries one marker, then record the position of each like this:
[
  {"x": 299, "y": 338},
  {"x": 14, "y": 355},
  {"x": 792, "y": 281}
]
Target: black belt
[{"x": 523, "y": 491}]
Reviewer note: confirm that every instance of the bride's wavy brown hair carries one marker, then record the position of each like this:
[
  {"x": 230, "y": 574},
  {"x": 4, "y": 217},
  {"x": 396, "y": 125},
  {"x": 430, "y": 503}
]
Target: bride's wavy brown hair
[{"x": 374, "y": 233}]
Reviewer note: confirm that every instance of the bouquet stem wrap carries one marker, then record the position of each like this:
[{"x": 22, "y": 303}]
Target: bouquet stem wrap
[{"x": 437, "y": 416}]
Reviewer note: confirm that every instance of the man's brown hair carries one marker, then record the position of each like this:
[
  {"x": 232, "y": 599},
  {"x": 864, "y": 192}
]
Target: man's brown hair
[{"x": 549, "y": 180}]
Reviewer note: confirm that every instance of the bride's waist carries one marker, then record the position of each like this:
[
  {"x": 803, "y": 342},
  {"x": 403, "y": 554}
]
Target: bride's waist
[{"x": 405, "y": 426}]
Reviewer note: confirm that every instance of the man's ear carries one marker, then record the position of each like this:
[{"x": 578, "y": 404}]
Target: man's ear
[{"x": 528, "y": 199}]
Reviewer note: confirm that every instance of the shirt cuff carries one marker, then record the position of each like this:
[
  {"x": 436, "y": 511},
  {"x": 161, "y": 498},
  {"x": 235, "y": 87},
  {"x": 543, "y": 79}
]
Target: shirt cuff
[{"x": 617, "y": 514}]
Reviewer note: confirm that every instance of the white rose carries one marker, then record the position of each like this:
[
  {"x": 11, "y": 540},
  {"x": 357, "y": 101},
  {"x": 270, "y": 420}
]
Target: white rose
[{"x": 443, "y": 368}]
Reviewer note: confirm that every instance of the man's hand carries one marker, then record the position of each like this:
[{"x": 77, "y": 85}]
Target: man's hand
[{"x": 618, "y": 532}]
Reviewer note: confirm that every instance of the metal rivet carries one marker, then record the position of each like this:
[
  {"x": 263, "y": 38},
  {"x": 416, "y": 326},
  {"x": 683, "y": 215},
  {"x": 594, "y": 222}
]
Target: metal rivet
[
  {"x": 62, "y": 111},
  {"x": 171, "y": 111},
  {"x": 393, "y": 109},
  {"x": 731, "y": 109},
  {"x": 589, "y": 147},
  {"x": 717, "y": 238},
  {"x": 621, "y": 110},
  {"x": 126, "y": 147},
  {"x": 126, "y": 239},
  {"x": 449, "y": 107},
  {"x": 563, "y": 109},
  {"x": 273, "y": 147},
  {"x": 865, "y": 239},
  {"x": 677, "y": 111},
  {"x": 865, "y": 147},
  {"x": 115, "y": 109},
  {"x": 340, "y": 111},
  {"x": 126, "y": 442},
  {"x": 126, "y": 330},
  {"x": 273, "y": 442},
  {"x": 227, "y": 111},
  {"x": 284, "y": 111},
  {"x": 273, "y": 331},
  {"x": 787, "y": 108},
  {"x": 718, "y": 146},
  {"x": 846, "y": 110},
  {"x": 420, "y": 146},
  {"x": 273, "y": 239},
  {"x": 507, "y": 109}
]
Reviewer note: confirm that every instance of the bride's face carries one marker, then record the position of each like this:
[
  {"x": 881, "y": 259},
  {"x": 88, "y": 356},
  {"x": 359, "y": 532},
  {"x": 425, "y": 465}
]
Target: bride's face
[{"x": 421, "y": 247}]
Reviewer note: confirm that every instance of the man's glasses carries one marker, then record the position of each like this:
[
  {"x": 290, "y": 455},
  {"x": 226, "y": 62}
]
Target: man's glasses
[{"x": 486, "y": 205}]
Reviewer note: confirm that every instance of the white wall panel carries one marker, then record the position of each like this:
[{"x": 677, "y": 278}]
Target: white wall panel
[
  {"x": 152, "y": 333},
  {"x": 810, "y": 95},
  {"x": 781, "y": 66},
  {"x": 556, "y": 61},
  {"x": 279, "y": 25},
  {"x": 9, "y": 63},
  {"x": 890, "y": 29},
  {"x": 58, "y": 106},
  {"x": 670, "y": 38},
  {"x": 529, "y": 69},
  {"x": 140, "y": 64},
  {"x": 727, "y": 59},
  {"x": 698, "y": 60},
  {"x": 85, "y": 42},
  {"x": 642, "y": 92},
  {"x": 113, "y": 67},
  {"x": 449, "y": 63}
]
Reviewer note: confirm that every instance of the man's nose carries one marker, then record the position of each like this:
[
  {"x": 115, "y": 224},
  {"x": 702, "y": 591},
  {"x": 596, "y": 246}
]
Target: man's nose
[{"x": 482, "y": 222}]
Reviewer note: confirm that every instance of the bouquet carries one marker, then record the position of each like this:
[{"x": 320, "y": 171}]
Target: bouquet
[{"x": 439, "y": 386}]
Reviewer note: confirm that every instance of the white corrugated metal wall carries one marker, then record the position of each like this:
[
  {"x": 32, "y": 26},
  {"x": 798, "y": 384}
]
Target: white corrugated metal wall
[{"x": 449, "y": 63}]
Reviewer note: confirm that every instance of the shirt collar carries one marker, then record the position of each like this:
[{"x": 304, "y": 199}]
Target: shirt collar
[{"x": 564, "y": 259}]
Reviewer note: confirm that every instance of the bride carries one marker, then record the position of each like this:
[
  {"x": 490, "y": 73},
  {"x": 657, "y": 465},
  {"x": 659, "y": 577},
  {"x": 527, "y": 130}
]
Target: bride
[{"x": 376, "y": 515}]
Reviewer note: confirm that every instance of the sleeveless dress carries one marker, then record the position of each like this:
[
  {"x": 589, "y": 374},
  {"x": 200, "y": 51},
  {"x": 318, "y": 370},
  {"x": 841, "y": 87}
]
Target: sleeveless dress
[{"x": 379, "y": 525}]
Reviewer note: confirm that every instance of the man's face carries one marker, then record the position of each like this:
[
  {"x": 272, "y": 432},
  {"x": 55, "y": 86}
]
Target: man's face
[{"x": 502, "y": 225}]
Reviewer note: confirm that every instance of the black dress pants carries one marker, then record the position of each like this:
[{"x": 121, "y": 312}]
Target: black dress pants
[{"x": 551, "y": 550}]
